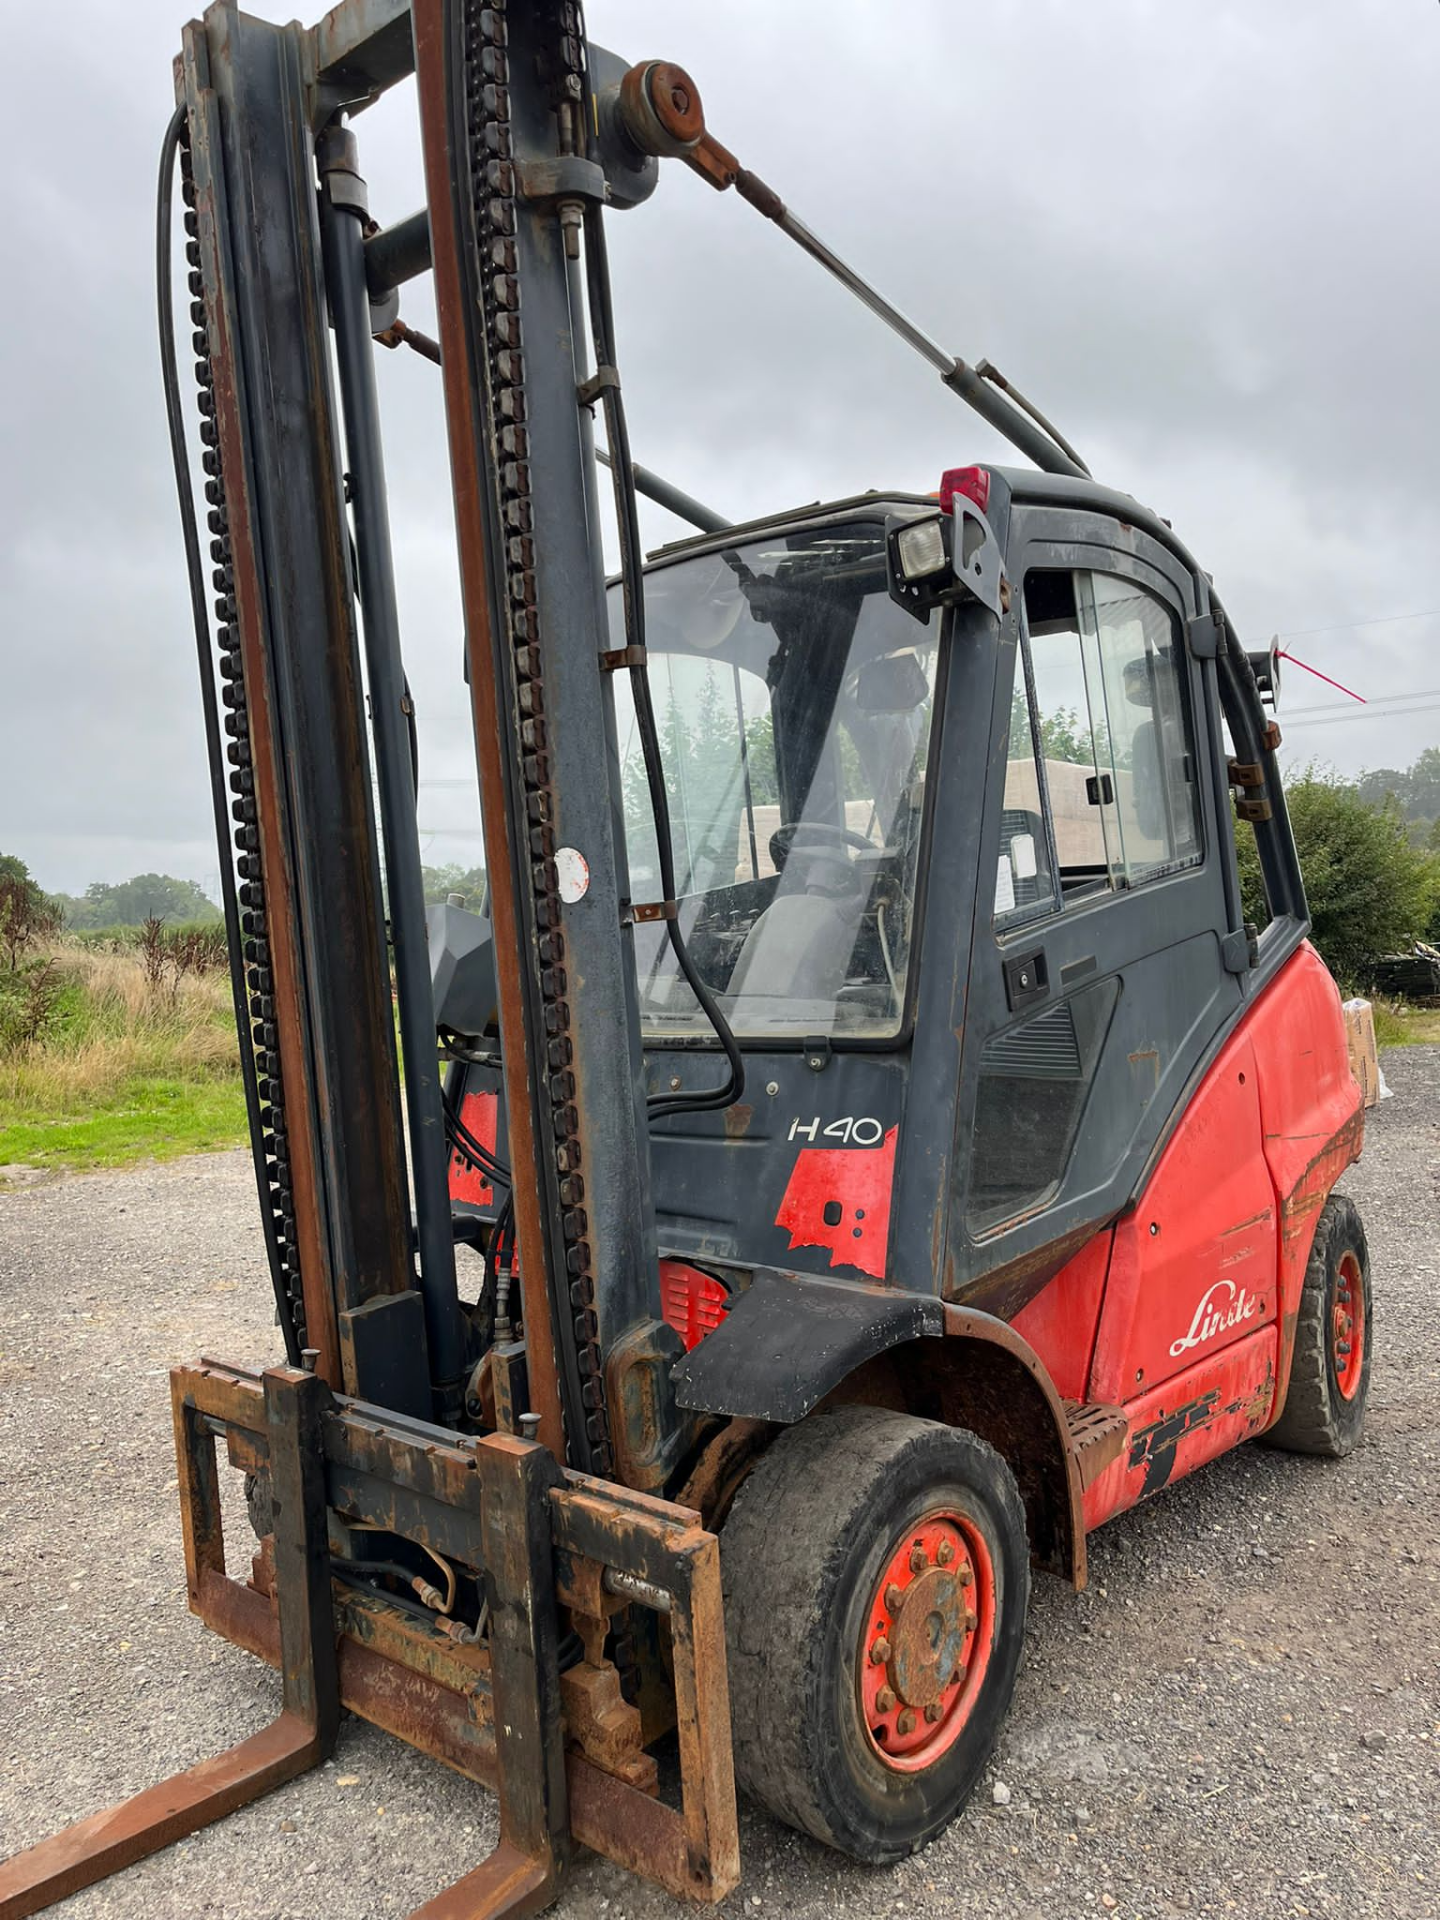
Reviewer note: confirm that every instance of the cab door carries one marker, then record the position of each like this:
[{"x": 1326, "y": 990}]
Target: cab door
[{"x": 1101, "y": 973}]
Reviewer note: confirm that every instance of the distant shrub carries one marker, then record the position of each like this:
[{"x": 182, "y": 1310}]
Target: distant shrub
[
  {"x": 26, "y": 916},
  {"x": 30, "y": 998},
  {"x": 168, "y": 954},
  {"x": 1371, "y": 890}
]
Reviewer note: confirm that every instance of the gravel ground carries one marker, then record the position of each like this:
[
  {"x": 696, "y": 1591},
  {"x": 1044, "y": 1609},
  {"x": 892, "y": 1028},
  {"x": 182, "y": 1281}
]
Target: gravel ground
[{"x": 1241, "y": 1715}]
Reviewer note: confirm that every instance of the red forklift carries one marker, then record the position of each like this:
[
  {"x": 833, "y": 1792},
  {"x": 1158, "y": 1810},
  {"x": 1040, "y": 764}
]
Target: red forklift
[{"x": 858, "y": 1145}]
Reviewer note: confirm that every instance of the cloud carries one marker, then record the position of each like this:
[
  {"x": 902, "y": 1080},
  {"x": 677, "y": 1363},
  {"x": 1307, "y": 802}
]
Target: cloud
[{"x": 1198, "y": 234}]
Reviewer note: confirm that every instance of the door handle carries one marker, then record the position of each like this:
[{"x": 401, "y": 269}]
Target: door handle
[{"x": 1027, "y": 978}]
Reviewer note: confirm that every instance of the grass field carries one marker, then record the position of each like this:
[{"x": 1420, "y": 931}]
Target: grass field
[
  {"x": 130, "y": 1070},
  {"x": 127, "y": 1070},
  {"x": 1400, "y": 1025}
]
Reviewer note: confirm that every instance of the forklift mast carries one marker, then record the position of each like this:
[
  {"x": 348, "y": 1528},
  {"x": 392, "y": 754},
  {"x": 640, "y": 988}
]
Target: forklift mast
[{"x": 764, "y": 1207}]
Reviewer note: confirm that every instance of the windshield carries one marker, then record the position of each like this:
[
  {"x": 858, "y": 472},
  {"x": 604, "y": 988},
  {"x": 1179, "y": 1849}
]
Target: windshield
[{"x": 793, "y": 700}]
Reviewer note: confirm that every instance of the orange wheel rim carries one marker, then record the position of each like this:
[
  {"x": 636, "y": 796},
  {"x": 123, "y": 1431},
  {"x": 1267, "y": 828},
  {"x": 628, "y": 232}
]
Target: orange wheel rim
[
  {"x": 1347, "y": 1326},
  {"x": 926, "y": 1641}
]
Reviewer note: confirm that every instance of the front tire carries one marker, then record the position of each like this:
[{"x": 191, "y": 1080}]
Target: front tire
[
  {"x": 855, "y": 1720},
  {"x": 1324, "y": 1409}
]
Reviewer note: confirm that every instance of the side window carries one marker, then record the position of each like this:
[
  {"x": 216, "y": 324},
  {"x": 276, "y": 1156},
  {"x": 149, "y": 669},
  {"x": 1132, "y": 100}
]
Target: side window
[
  {"x": 1116, "y": 756},
  {"x": 1024, "y": 879}
]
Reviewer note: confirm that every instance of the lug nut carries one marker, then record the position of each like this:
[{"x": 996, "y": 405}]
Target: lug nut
[
  {"x": 880, "y": 1652},
  {"x": 966, "y": 1576},
  {"x": 906, "y": 1722},
  {"x": 932, "y": 1712},
  {"x": 884, "y": 1700},
  {"x": 972, "y": 1620},
  {"x": 945, "y": 1552},
  {"x": 919, "y": 1559},
  {"x": 894, "y": 1598}
]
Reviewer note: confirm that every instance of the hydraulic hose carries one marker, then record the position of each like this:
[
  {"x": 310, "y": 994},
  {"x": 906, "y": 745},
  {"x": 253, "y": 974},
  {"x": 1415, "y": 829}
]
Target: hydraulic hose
[
  {"x": 174, "y": 412},
  {"x": 597, "y": 273}
]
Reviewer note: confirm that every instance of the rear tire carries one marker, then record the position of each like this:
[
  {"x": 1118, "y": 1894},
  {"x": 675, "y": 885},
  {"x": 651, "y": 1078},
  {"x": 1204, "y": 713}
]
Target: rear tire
[
  {"x": 1324, "y": 1409},
  {"x": 844, "y": 1518}
]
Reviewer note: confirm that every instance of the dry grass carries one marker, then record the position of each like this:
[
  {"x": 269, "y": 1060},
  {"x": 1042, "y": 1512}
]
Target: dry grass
[{"x": 127, "y": 1068}]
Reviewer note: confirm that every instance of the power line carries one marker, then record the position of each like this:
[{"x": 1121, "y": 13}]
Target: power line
[
  {"x": 1363, "y": 713},
  {"x": 1383, "y": 701},
  {"x": 1352, "y": 626}
]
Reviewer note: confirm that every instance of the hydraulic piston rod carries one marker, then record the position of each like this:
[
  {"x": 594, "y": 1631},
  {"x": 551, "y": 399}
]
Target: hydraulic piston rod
[
  {"x": 660, "y": 108},
  {"x": 342, "y": 215}
]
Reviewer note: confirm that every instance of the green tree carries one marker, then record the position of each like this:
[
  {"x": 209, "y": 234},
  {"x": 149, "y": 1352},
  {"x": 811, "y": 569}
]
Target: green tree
[
  {"x": 1064, "y": 735},
  {"x": 760, "y": 759},
  {"x": 451, "y": 877},
  {"x": 130, "y": 903},
  {"x": 1414, "y": 789},
  {"x": 1371, "y": 890}
]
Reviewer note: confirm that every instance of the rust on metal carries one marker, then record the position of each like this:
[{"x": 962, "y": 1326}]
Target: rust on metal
[
  {"x": 444, "y": 168},
  {"x": 397, "y": 334},
  {"x": 80, "y": 1855},
  {"x": 282, "y": 921},
  {"x": 722, "y": 1466},
  {"x": 405, "y": 1675},
  {"x": 304, "y": 1732},
  {"x": 1037, "y": 1436},
  {"x": 1096, "y": 1437},
  {"x": 661, "y": 109}
]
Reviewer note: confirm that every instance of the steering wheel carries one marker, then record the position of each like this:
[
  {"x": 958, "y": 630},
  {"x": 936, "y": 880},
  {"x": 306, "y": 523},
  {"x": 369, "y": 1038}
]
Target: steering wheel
[{"x": 791, "y": 837}]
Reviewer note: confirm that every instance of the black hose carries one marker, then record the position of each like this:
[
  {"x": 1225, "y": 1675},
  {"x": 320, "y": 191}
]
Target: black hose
[
  {"x": 169, "y": 152},
  {"x": 461, "y": 1138},
  {"x": 475, "y": 1151},
  {"x": 597, "y": 275},
  {"x": 412, "y": 729}
]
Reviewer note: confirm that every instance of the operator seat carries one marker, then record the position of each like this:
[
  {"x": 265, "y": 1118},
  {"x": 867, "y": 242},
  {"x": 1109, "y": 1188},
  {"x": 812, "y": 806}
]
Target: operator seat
[{"x": 799, "y": 948}]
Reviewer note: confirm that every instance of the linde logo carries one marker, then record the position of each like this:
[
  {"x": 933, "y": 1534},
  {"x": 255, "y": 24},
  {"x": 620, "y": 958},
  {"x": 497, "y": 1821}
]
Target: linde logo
[{"x": 1225, "y": 1305}]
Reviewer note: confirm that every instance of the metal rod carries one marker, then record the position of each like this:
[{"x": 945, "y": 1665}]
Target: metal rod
[
  {"x": 869, "y": 296},
  {"x": 342, "y": 235},
  {"x": 962, "y": 380},
  {"x": 397, "y": 254},
  {"x": 987, "y": 370},
  {"x": 666, "y": 495}
]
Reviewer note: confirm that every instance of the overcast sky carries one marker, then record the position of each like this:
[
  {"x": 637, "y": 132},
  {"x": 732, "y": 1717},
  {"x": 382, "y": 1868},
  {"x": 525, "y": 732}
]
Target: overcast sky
[{"x": 1201, "y": 235}]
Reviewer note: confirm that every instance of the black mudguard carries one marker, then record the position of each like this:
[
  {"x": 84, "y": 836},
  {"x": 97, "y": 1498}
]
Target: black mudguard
[{"x": 788, "y": 1340}]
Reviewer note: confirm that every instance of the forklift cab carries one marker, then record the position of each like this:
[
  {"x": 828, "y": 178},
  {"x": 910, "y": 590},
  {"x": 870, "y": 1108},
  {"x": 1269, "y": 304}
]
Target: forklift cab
[{"x": 960, "y": 876}]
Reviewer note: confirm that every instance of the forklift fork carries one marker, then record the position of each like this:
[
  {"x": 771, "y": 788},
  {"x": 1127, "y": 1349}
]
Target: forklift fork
[
  {"x": 541, "y": 1535},
  {"x": 304, "y": 1732}
]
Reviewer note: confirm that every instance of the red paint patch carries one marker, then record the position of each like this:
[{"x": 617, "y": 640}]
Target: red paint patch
[
  {"x": 1060, "y": 1321},
  {"x": 692, "y": 1302},
  {"x": 1193, "y": 1266},
  {"x": 480, "y": 1112},
  {"x": 1189, "y": 1419},
  {"x": 839, "y": 1198}
]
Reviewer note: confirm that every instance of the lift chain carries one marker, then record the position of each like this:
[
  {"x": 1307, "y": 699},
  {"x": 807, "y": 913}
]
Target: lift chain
[
  {"x": 259, "y": 981},
  {"x": 494, "y": 191}
]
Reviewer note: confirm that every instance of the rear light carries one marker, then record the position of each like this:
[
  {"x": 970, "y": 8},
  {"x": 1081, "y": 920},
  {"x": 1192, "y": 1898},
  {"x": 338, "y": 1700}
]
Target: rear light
[
  {"x": 973, "y": 482},
  {"x": 692, "y": 1302}
]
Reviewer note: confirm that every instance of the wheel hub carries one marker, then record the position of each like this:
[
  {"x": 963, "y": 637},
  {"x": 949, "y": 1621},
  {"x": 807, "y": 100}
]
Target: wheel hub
[
  {"x": 1347, "y": 1326},
  {"x": 926, "y": 1640}
]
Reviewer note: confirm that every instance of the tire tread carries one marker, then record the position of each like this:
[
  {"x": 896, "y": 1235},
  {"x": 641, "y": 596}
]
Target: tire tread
[
  {"x": 787, "y": 1531},
  {"x": 1314, "y": 1420}
]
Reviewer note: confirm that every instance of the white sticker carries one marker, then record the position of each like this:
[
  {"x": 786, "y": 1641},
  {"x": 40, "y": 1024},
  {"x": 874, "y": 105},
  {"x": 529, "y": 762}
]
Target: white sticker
[
  {"x": 1022, "y": 856},
  {"x": 572, "y": 874},
  {"x": 1004, "y": 886}
]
